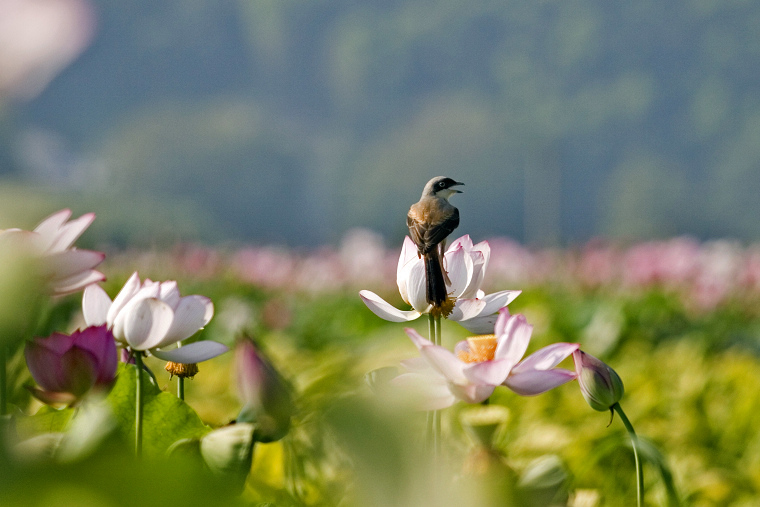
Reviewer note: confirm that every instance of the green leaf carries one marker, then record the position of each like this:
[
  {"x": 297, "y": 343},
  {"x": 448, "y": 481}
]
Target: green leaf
[
  {"x": 46, "y": 420},
  {"x": 166, "y": 418}
]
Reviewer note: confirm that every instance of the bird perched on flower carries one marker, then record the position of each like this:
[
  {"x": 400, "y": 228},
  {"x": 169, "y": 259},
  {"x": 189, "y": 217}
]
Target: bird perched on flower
[{"x": 430, "y": 221}]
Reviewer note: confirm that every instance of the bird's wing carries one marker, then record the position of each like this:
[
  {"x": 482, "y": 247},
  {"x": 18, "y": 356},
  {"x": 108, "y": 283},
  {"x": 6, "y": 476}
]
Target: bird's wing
[
  {"x": 440, "y": 231},
  {"x": 417, "y": 231}
]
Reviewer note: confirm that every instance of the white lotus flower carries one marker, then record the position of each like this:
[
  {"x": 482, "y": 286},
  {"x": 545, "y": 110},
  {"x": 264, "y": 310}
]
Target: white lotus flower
[
  {"x": 150, "y": 316},
  {"x": 465, "y": 265}
]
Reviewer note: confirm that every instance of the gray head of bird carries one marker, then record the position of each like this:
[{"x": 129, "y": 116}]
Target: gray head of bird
[{"x": 441, "y": 186}]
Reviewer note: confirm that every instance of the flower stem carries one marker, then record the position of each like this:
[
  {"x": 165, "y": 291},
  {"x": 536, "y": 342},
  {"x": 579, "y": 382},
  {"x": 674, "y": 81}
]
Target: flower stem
[
  {"x": 138, "y": 404},
  {"x": 434, "y": 417},
  {"x": 181, "y": 388},
  {"x": 635, "y": 444},
  {"x": 3, "y": 380}
]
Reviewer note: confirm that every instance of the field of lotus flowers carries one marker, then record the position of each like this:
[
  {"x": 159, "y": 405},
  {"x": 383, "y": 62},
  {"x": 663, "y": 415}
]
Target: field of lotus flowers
[{"x": 321, "y": 380}]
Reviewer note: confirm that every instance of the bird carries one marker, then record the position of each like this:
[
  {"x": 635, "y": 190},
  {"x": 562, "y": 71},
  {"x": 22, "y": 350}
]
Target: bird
[{"x": 430, "y": 221}]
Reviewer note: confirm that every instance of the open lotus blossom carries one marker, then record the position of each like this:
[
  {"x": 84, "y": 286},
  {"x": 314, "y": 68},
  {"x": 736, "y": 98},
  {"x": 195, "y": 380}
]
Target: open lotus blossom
[
  {"x": 479, "y": 364},
  {"x": 66, "y": 269},
  {"x": 150, "y": 316},
  {"x": 465, "y": 265},
  {"x": 67, "y": 367}
]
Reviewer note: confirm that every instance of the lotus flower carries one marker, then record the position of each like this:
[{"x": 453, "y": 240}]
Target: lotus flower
[
  {"x": 66, "y": 269},
  {"x": 67, "y": 367},
  {"x": 465, "y": 265},
  {"x": 479, "y": 364},
  {"x": 151, "y": 315}
]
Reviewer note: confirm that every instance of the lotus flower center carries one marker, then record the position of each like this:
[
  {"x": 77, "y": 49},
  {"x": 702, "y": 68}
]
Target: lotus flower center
[
  {"x": 482, "y": 348},
  {"x": 445, "y": 309}
]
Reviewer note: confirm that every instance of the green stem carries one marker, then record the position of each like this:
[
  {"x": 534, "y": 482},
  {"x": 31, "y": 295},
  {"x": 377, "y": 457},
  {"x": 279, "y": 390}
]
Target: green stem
[
  {"x": 181, "y": 388},
  {"x": 138, "y": 404},
  {"x": 635, "y": 444},
  {"x": 3, "y": 380}
]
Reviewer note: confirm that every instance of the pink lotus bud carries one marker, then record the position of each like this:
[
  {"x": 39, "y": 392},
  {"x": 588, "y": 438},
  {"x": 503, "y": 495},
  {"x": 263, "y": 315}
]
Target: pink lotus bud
[
  {"x": 600, "y": 385},
  {"x": 67, "y": 367},
  {"x": 265, "y": 394}
]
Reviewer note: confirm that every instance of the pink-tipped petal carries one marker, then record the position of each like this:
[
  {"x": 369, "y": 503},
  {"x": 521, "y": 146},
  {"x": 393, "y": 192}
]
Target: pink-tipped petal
[
  {"x": 547, "y": 357},
  {"x": 501, "y": 321},
  {"x": 49, "y": 227},
  {"x": 145, "y": 323},
  {"x": 70, "y": 262},
  {"x": 446, "y": 363},
  {"x": 515, "y": 340},
  {"x": 70, "y": 232},
  {"x": 77, "y": 282},
  {"x": 476, "y": 275},
  {"x": 385, "y": 310},
  {"x": 531, "y": 383},
  {"x": 190, "y": 315},
  {"x": 490, "y": 373},
  {"x": 95, "y": 305},
  {"x": 418, "y": 340},
  {"x": 192, "y": 353},
  {"x": 472, "y": 393}
]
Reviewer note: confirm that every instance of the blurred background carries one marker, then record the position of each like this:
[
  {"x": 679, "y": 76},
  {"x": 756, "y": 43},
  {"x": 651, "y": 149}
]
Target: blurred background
[{"x": 293, "y": 122}]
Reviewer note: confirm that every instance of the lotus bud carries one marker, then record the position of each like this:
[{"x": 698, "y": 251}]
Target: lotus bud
[
  {"x": 265, "y": 394},
  {"x": 67, "y": 367},
  {"x": 600, "y": 385}
]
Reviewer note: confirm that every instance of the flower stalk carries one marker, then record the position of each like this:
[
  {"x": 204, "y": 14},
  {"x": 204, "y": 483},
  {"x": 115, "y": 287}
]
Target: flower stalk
[
  {"x": 138, "y": 403},
  {"x": 3, "y": 380},
  {"x": 635, "y": 444}
]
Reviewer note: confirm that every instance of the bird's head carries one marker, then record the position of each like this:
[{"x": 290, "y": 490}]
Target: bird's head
[{"x": 441, "y": 186}]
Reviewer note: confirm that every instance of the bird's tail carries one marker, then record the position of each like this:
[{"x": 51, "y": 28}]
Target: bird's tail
[{"x": 435, "y": 290}]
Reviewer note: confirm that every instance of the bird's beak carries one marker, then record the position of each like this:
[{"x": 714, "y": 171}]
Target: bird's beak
[{"x": 458, "y": 183}]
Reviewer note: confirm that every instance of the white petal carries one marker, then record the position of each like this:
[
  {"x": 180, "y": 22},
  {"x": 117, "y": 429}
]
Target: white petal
[
  {"x": 424, "y": 391},
  {"x": 480, "y": 325},
  {"x": 476, "y": 274},
  {"x": 416, "y": 287},
  {"x": 168, "y": 292},
  {"x": 95, "y": 305},
  {"x": 472, "y": 393},
  {"x": 385, "y": 310},
  {"x": 465, "y": 309},
  {"x": 459, "y": 269},
  {"x": 122, "y": 298},
  {"x": 498, "y": 300},
  {"x": 146, "y": 322},
  {"x": 190, "y": 315},
  {"x": 193, "y": 352}
]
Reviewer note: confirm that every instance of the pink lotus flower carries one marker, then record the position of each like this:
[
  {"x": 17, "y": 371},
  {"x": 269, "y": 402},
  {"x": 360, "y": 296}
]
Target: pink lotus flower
[
  {"x": 479, "y": 364},
  {"x": 151, "y": 315},
  {"x": 65, "y": 268},
  {"x": 67, "y": 367},
  {"x": 465, "y": 265}
]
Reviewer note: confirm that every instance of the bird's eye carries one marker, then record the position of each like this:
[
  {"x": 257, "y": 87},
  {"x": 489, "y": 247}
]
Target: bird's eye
[{"x": 441, "y": 184}]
